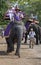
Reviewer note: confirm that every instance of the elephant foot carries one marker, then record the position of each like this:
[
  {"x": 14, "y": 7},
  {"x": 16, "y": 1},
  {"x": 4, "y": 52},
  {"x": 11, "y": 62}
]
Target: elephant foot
[
  {"x": 36, "y": 44},
  {"x": 17, "y": 54},
  {"x": 9, "y": 51}
]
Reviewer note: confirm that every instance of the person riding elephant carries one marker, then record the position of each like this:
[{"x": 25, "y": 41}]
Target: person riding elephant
[
  {"x": 33, "y": 24},
  {"x": 16, "y": 29},
  {"x": 35, "y": 28}
]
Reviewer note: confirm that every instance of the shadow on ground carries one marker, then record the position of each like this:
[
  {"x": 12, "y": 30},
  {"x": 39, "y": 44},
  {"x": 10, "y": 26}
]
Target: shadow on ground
[{"x": 3, "y": 53}]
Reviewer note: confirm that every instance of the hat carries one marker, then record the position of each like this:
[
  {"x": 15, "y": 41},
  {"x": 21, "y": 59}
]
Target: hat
[
  {"x": 33, "y": 18},
  {"x": 17, "y": 8}
]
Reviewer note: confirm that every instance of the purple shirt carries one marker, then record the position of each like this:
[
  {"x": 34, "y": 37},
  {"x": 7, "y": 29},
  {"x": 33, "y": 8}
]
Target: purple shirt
[{"x": 18, "y": 16}]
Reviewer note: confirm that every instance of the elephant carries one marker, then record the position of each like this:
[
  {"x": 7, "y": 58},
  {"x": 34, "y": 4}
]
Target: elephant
[{"x": 36, "y": 28}]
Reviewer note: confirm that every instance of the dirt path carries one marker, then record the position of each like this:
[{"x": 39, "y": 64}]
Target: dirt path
[{"x": 28, "y": 56}]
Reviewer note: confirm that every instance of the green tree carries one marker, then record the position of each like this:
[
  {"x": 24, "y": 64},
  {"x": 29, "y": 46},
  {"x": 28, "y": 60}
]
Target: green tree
[
  {"x": 27, "y": 6},
  {"x": 3, "y": 9}
]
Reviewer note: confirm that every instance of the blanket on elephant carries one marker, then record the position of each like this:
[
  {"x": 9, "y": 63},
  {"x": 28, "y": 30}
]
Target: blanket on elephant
[{"x": 7, "y": 30}]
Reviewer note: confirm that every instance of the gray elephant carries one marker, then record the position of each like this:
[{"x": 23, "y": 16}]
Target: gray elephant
[
  {"x": 15, "y": 30},
  {"x": 33, "y": 23},
  {"x": 36, "y": 28}
]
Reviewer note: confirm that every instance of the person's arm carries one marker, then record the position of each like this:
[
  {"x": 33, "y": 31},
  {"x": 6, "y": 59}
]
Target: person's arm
[{"x": 21, "y": 15}]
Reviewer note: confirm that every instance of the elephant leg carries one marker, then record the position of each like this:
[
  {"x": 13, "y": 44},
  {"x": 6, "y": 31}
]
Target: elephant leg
[
  {"x": 19, "y": 39},
  {"x": 25, "y": 38},
  {"x": 10, "y": 46},
  {"x": 18, "y": 48},
  {"x": 37, "y": 40}
]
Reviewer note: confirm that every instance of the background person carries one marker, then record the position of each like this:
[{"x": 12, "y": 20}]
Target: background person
[{"x": 32, "y": 38}]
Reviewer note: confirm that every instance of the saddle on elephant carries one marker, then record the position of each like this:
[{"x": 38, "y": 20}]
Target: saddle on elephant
[{"x": 7, "y": 30}]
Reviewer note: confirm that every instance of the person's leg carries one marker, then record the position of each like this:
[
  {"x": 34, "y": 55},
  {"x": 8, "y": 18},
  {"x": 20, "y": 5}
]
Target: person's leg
[{"x": 30, "y": 44}]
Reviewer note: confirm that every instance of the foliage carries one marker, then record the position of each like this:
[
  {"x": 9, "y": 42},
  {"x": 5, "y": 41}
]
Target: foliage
[
  {"x": 28, "y": 6},
  {"x": 3, "y": 9}
]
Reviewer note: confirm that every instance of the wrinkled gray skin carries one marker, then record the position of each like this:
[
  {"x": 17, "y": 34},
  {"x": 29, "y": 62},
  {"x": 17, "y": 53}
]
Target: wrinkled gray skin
[{"x": 16, "y": 35}]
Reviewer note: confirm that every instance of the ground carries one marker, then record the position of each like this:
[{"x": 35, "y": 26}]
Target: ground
[{"x": 28, "y": 56}]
